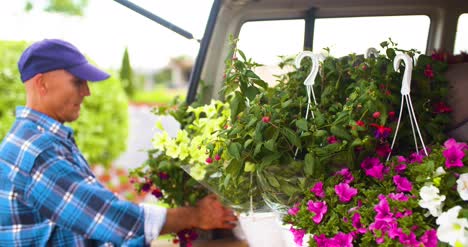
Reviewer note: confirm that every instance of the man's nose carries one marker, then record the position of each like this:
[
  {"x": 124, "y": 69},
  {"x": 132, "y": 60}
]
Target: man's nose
[{"x": 85, "y": 89}]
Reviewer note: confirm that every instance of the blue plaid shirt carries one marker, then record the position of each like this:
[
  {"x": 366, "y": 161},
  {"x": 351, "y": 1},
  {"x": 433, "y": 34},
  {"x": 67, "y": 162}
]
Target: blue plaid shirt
[{"x": 49, "y": 196}]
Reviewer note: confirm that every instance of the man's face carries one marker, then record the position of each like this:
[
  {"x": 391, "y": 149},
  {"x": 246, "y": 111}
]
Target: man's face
[{"x": 65, "y": 94}]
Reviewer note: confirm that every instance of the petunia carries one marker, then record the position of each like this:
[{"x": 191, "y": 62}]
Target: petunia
[
  {"x": 462, "y": 186},
  {"x": 345, "y": 192},
  {"x": 431, "y": 200},
  {"x": 321, "y": 240},
  {"x": 346, "y": 174},
  {"x": 402, "y": 184},
  {"x": 319, "y": 209},
  {"x": 453, "y": 157},
  {"x": 373, "y": 168},
  {"x": 381, "y": 132},
  {"x": 318, "y": 190},
  {"x": 452, "y": 229},
  {"x": 294, "y": 210},
  {"x": 383, "y": 150},
  {"x": 298, "y": 235},
  {"x": 341, "y": 240},
  {"x": 453, "y": 143},
  {"x": 356, "y": 222},
  {"x": 429, "y": 238},
  {"x": 398, "y": 197}
]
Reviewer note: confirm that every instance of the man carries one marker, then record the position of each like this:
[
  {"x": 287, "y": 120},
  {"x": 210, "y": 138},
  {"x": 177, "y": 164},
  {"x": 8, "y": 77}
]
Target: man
[{"x": 48, "y": 194}]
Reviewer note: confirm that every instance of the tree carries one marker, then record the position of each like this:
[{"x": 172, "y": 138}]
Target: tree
[
  {"x": 68, "y": 7},
  {"x": 126, "y": 74}
]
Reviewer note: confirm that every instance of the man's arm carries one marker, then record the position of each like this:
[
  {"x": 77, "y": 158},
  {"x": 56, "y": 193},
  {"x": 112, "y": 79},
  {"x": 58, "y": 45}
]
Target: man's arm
[{"x": 208, "y": 214}]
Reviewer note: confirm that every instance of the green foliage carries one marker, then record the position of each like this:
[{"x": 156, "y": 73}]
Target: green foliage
[
  {"x": 126, "y": 74},
  {"x": 102, "y": 129},
  {"x": 68, "y": 7},
  {"x": 163, "y": 77},
  {"x": 12, "y": 92},
  {"x": 159, "y": 95}
]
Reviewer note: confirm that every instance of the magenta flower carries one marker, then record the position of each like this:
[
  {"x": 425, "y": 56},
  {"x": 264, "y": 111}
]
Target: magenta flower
[
  {"x": 157, "y": 193},
  {"x": 356, "y": 221},
  {"x": 341, "y": 240},
  {"x": 416, "y": 158},
  {"x": 346, "y": 174},
  {"x": 146, "y": 186},
  {"x": 298, "y": 235},
  {"x": 400, "y": 215},
  {"x": 383, "y": 209},
  {"x": 402, "y": 159},
  {"x": 452, "y": 143},
  {"x": 400, "y": 168},
  {"x": 294, "y": 210},
  {"x": 163, "y": 175},
  {"x": 318, "y": 190},
  {"x": 319, "y": 209},
  {"x": 428, "y": 72},
  {"x": 383, "y": 150},
  {"x": 453, "y": 157},
  {"x": 345, "y": 192},
  {"x": 429, "y": 238},
  {"x": 441, "y": 107},
  {"x": 381, "y": 132},
  {"x": 321, "y": 240},
  {"x": 409, "y": 239},
  {"x": 398, "y": 197},
  {"x": 402, "y": 184},
  {"x": 332, "y": 139},
  {"x": 373, "y": 168}
]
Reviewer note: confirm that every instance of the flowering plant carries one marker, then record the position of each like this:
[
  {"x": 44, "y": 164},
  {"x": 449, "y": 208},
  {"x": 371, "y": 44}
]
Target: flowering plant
[{"x": 408, "y": 201}]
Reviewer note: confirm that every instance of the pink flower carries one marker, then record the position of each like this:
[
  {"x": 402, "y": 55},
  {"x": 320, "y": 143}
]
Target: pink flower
[
  {"x": 391, "y": 115},
  {"x": 400, "y": 168},
  {"x": 357, "y": 223},
  {"x": 209, "y": 160},
  {"x": 428, "y": 72},
  {"x": 417, "y": 157},
  {"x": 453, "y": 157},
  {"x": 373, "y": 168},
  {"x": 319, "y": 209},
  {"x": 321, "y": 240},
  {"x": 163, "y": 175},
  {"x": 157, "y": 193},
  {"x": 402, "y": 184},
  {"x": 398, "y": 197},
  {"x": 376, "y": 114},
  {"x": 402, "y": 159},
  {"x": 318, "y": 190},
  {"x": 360, "y": 123},
  {"x": 441, "y": 107},
  {"x": 294, "y": 210},
  {"x": 298, "y": 235},
  {"x": 383, "y": 209},
  {"x": 341, "y": 240},
  {"x": 406, "y": 213},
  {"x": 408, "y": 239},
  {"x": 217, "y": 157},
  {"x": 346, "y": 174},
  {"x": 266, "y": 119},
  {"x": 345, "y": 192},
  {"x": 381, "y": 132},
  {"x": 383, "y": 150},
  {"x": 429, "y": 238},
  {"x": 452, "y": 143},
  {"x": 332, "y": 139}
]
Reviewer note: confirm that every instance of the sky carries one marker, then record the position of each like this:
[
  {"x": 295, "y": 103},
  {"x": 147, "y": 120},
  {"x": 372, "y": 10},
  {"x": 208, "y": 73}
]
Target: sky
[{"x": 107, "y": 27}]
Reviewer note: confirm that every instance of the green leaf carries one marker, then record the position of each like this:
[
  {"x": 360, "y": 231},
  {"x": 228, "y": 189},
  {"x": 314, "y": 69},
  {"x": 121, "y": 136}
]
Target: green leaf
[
  {"x": 247, "y": 143},
  {"x": 391, "y": 53},
  {"x": 302, "y": 124},
  {"x": 340, "y": 133},
  {"x": 273, "y": 181},
  {"x": 309, "y": 164},
  {"x": 251, "y": 92},
  {"x": 271, "y": 145},
  {"x": 258, "y": 148},
  {"x": 291, "y": 136},
  {"x": 249, "y": 73},
  {"x": 242, "y": 55},
  {"x": 234, "y": 150},
  {"x": 234, "y": 168},
  {"x": 267, "y": 160},
  {"x": 235, "y": 106}
]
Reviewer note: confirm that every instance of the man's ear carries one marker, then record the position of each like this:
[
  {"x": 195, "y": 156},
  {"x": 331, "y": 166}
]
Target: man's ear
[{"x": 39, "y": 83}]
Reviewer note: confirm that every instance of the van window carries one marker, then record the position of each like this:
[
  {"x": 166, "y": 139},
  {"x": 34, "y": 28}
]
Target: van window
[
  {"x": 357, "y": 34},
  {"x": 461, "y": 39},
  {"x": 264, "y": 41}
]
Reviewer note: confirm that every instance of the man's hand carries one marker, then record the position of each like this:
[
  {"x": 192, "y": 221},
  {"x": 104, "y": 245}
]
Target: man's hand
[
  {"x": 212, "y": 214},
  {"x": 208, "y": 214}
]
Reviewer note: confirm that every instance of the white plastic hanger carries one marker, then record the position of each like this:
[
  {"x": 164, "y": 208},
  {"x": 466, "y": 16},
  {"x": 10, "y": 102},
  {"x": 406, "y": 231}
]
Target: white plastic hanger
[{"x": 406, "y": 96}]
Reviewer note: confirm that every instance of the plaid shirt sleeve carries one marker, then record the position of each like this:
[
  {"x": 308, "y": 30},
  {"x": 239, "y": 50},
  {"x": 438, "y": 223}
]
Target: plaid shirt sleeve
[{"x": 65, "y": 195}]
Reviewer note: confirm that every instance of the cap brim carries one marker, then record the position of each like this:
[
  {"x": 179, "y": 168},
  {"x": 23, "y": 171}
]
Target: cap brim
[{"x": 88, "y": 72}]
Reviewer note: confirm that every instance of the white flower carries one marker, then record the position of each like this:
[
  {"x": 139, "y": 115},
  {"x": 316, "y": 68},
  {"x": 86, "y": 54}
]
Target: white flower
[
  {"x": 439, "y": 171},
  {"x": 462, "y": 186},
  {"x": 452, "y": 230},
  {"x": 431, "y": 200}
]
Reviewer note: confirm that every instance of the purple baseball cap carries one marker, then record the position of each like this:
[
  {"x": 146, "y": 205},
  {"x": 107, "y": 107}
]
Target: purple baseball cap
[{"x": 53, "y": 54}]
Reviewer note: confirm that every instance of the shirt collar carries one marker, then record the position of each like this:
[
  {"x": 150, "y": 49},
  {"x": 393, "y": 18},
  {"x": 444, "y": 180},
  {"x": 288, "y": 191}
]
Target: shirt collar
[{"x": 44, "y": 121}]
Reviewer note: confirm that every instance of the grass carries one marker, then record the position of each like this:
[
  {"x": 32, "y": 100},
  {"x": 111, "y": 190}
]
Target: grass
[{"x": 160, "y": 95}]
